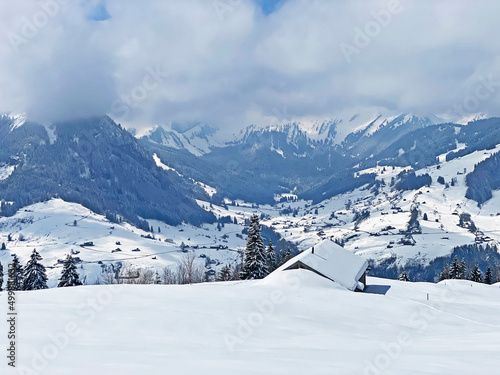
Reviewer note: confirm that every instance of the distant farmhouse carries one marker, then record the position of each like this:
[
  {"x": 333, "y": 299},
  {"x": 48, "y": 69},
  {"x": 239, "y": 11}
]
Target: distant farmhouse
[{"x": 333, "y": 262}]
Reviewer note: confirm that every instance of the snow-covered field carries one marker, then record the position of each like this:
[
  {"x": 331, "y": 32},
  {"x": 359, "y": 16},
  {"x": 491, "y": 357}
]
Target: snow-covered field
[
  {"x": 50, "y": 228},
  {"x": 295, "y": 322}
]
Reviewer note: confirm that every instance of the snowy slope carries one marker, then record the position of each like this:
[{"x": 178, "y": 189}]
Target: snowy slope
[
  {"x": 208, "y": 189},
  {"x": 294, "y": 324},
  {"x": 198, "y": 139},
  {"x": 18, "y": 120},
  {"x": 49, "y": 227},
  {"x": 6, "y": 171},
  {"x": 391, "y": 208}
]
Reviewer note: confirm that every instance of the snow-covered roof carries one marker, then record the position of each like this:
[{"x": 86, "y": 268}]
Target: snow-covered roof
[{"x": 333, "y": 262}]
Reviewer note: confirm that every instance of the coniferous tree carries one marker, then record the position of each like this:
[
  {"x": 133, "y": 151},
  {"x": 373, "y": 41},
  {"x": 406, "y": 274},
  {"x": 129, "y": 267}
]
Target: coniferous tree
[
  {"x": 255, "y": 264},
  {"x": 403, "y": 276},
  {"x": 225, "y": 274},
  {"x": 455, "y": 269},
  {"x": 3, "y": 246},
  {"x": 1, "y": 276},
  {"x": 236, "y": 274},
  {"x": 488, "y": 278},
  {"x": 69, "y": 276},
  {"x": 476, "y": 275},
  {"x": 35, "y": 277},
  {"x": 271, "y": 257},
  {"x": 284, "y": 255},
  {"x": 463, "y": 270},
  {"x": 445, "y": 274},
  {"x": 279, "y": 258},
  {"x": 16, "y": 279}
]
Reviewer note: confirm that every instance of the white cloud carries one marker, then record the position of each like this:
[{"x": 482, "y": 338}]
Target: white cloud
[{"x": 244, "y": 67}]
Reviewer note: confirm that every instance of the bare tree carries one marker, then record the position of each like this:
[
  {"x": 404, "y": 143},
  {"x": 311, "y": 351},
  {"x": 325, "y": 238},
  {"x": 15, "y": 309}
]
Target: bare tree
[
  {"x": 169, "y": 276},
  {"x": 108, "y": 276},
  {"x": 146, "y": 276},
  {"x": 187, "y": 271}
]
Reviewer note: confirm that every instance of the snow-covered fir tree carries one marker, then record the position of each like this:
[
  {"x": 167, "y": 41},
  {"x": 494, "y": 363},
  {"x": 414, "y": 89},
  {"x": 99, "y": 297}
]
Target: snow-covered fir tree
[
  {"x": 457, "y": 269},
  {"x": 445, "y": 274},
  {"x": 16, "y": 278},
  {"x": 463, "y": 270},
  {"x": 476, "y": 275},
  {"x": 271, "y": 257},
  {"x": 403, "y": 276},
  {"x": 488, "y": 278},
  {"x": 69, "y": 275},
  {"x": 255, "y": 263},
  {"x": 225, "y": 274},
  {"x": 236, "y": 273},
  {"x": 1, "y": 277},
  {"x": 284, "y": 255},
  {"x": 35, "y": 277}
]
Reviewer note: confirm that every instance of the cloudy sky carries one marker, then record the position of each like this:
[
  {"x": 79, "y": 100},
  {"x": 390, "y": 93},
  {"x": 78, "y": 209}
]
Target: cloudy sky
[{"x": 235, "y": 62}]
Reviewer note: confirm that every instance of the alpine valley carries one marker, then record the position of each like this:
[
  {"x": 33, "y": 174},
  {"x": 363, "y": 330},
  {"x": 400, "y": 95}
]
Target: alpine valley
[{"x": 403, "y": 191}]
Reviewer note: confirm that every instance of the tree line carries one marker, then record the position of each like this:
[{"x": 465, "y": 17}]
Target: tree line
[
  {"x": 458, "y": 270},
  {"x": 462, "y": 269},
  {"x": 258, "y": 261},
  {"x": 484, "y": 179},
  {"x": 33, "y": 275}
]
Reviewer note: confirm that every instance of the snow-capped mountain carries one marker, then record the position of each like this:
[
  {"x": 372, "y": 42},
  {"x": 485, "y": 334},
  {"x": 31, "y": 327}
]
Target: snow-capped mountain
[
  {"x": 338, "y": 130},
  {"x": 95, "y": 162},
  {"x": 345, "y": 129},
  {"x": 18, "y": 120},
  {"x": 196, "y": 138},
  {"x": 271, "y": 160}
]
